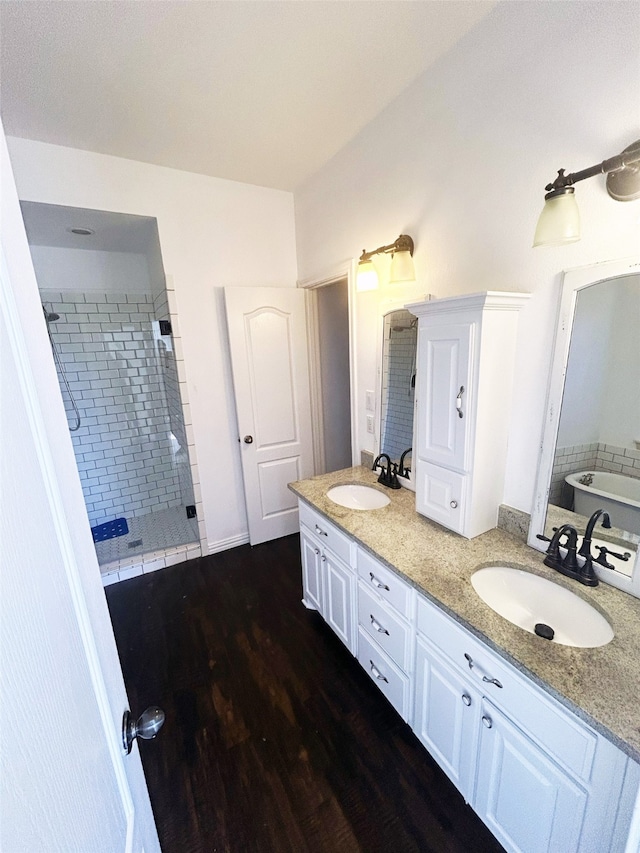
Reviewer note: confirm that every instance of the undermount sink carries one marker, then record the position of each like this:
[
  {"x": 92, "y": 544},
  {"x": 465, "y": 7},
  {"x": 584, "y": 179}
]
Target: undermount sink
[
  {"x": 354, "y": 496},
  {"x": 536, "y": 604}
]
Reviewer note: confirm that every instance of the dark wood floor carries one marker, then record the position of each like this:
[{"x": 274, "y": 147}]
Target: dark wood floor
[{"x": 276, "y": 741}]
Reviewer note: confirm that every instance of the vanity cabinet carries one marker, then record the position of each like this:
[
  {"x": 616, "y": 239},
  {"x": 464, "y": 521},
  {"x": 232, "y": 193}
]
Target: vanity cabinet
[
  {"x": 328, "y": 581},
  {"x": 539, "y": 779},
  {"x": 465, "y": 357}
]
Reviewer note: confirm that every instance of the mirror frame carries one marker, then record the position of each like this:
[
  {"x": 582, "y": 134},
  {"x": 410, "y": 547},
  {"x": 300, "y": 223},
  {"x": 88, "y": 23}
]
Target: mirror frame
[{"x": 573, "y": 282}]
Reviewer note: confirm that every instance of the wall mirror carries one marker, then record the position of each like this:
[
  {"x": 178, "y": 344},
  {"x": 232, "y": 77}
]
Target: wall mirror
[
  {"x": 590, "y": 455},
  {"x": 397, "y": 376}
]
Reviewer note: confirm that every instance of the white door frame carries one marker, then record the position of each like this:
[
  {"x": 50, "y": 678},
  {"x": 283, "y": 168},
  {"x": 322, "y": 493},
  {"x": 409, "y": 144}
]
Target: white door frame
[{"x": 344, "y": 270}]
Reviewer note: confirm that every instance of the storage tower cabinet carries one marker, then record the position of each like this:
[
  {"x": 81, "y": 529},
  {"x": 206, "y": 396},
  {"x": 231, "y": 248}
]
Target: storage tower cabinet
[{"x": 466, "y": 348}]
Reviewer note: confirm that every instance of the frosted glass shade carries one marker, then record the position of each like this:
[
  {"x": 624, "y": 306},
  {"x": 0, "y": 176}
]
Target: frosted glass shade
[
  {"x": 559, "y": 221},
  {"x": 402, "y": 269},
  {"x": 367, "y": 276}
]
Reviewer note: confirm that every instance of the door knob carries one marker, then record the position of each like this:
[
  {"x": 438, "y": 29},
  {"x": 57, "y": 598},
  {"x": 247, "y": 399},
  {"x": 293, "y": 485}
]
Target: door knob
[
  {"x": 248, "y": 439},
  {"x": 146, "y": 726}
]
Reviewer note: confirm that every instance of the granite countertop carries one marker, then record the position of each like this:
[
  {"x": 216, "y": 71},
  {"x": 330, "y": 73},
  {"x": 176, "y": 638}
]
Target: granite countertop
[{"x": 601, "y": 685}]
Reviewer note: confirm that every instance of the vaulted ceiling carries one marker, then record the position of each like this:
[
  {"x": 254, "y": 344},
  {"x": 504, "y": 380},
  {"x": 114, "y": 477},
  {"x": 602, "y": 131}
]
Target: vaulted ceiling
[{"x": 260, "y": 91}]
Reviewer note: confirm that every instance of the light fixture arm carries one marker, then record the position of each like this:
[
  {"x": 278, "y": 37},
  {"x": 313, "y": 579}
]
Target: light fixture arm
[
  {"x": 404, "y": 243},
  {"x": 629, "y": 159}
]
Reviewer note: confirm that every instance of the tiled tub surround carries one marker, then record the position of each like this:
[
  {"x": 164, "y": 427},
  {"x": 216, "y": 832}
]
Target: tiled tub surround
[
  {"x": 596, "y": 456},
  {"x": 598, "y": 685}
]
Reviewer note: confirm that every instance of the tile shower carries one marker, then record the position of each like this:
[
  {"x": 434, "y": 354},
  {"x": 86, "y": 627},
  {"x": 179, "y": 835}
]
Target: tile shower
[{"x": 133, "y": 447}]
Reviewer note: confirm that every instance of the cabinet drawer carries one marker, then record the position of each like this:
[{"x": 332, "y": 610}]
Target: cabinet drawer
[
  {"x": 326, "y": 532},
  {"x": 563, "y": 735},
  {"x": 391, "y": 680},
  {"x": 384, "y": 582},
  {"x": 384, "y": 626}
]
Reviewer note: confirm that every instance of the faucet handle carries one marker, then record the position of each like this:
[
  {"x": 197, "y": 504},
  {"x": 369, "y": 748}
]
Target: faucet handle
[{"x": 602, "y": 556}]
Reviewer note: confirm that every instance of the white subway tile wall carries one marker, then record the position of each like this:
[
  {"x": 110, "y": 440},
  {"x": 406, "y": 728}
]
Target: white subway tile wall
[
  {"x": 596, "y": 456},
  {"x": 397, "y": 393},
  {"x": 123, "y": 447}
]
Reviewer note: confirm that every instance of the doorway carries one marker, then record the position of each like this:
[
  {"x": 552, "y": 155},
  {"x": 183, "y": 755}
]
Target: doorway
[{"x": 330, "y": 375}]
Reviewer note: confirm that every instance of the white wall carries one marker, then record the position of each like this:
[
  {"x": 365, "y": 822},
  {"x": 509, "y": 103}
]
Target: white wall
[
  {"x": 90, "y": 270},
  {"x": 213, "y": 233},
  {"x": 460, "y": 160}
]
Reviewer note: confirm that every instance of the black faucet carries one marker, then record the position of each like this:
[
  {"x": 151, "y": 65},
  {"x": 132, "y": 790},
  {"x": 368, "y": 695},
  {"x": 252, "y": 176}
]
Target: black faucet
[
  {"x": 389, "y": 475},
  {"x": 569, "y": 566},
  {"x": 402, "y": 471},
  {"x": 585, "y": 548}
]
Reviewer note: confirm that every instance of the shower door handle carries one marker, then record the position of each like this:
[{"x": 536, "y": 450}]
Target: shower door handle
[{"x": 248, "y": 439}]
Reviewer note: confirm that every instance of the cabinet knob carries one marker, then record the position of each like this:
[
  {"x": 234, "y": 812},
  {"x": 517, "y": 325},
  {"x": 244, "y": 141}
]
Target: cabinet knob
[
  {"x": 487, "y": 722},
  {"x": 454, "y": 504},
  {"x": 316, "y": 551},
  {"x": 466, "y": 699},
  {"x": 323, "y": 558},
  {"x": 248, "y": 439}
]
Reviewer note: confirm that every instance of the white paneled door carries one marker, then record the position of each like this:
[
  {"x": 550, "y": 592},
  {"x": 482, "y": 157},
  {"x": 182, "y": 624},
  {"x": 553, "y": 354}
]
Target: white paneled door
[
  {"x": 267, "y": 334},
  {"x": 65, "y": 782}
]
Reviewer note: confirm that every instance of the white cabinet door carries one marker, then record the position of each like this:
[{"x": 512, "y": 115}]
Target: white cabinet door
[
  {"x": 526, "y": 800},
  {"x": 440, "y": 495},
  {"x": 444, "y": 394},
  {"x": 329, "y": 586},
  {"x": 339, "y": 598},
  {"x": 311, "y": 571},
  {"x": 447, "y": 716}
]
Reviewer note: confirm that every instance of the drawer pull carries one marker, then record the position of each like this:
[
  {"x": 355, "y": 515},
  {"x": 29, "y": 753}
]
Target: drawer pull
[
  {"x": 466, "y": 699},
  {"x": 376, "y": 672},
  {"x": 321, "y": 531},
  {"x": 485, "y": 678},
  {"x": 378, "y": 584},
  {"x": 375, "y": 624},
  {"x": 487, "y": 721},
  {"x": 459, "y": 402}
]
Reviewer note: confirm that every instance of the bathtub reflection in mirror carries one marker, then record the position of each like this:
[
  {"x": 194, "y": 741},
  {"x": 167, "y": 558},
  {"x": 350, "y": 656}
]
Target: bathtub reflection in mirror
[
  {"x": 398, "y": 377},
  {"x": 592, "y": 429}
]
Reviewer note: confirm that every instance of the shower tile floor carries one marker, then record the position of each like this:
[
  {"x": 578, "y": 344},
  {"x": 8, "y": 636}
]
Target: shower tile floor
[{"x": 163, "y": 530}]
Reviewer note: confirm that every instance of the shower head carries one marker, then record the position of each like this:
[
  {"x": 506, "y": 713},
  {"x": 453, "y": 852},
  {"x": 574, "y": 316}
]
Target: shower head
[{"x": 50, "y": 316}]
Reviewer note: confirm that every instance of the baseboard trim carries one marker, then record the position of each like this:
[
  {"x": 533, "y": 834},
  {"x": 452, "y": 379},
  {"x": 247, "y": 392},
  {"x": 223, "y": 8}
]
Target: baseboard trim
[{"x": 227, "y": 544}]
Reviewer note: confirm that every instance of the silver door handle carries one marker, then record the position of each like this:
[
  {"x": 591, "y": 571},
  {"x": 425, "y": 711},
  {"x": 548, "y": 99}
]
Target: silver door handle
[
  {"x": 377, "y": 583},
  {"x": 375, "y": 624},
  {"x": 459, "y": 402},
  {"x": 376, "y": 672},
  {"x": 485, "y": 678},
  {"x": 146, "y": 726}
]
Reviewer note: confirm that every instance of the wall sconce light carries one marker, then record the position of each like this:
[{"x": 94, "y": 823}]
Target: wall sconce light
[
  {"x": 402, "y": 270},
  {"x": 559, "y": 221}
]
